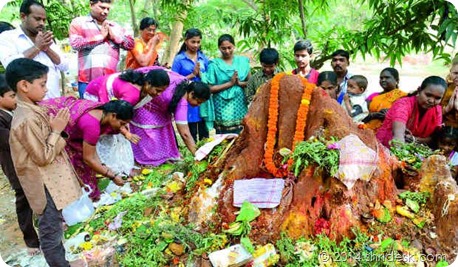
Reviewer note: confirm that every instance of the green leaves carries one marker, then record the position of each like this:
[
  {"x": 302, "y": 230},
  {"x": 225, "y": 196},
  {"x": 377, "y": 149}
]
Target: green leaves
[
  {"x": 248, "y": 212},
  {"x": 400, "y": 27},
  {"x": 60, "y": 15},
  {"x": 419, "y": 197},
  {"x": 316, "y": 151},
  {"x": 412, "y": 154}
]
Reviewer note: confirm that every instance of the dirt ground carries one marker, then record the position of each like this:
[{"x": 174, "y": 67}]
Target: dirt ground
[{"x": 10, "y": 235}]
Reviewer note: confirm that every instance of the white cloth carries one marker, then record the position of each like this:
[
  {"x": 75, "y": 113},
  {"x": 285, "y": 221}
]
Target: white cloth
[
  {"x": 263, "y": 193},
  {"x": 12, "y": 45},
  {"x": 357, "y": 161},
  {"x": 359, "y": 100},
  {"x": 203, "y": 151},
  {"x": 453, "y": 158},
  {"x": 115, "y": 151}
]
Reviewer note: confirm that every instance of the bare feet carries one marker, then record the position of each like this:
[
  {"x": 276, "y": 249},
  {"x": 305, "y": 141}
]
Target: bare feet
[{"x": 33, "y": 251}]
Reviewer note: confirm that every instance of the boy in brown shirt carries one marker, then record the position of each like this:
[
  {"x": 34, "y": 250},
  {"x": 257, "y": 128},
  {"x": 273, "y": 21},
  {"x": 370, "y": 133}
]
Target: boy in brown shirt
[
  {"x": 41, "y": 164},
  {"x": 23, "y": 210}
]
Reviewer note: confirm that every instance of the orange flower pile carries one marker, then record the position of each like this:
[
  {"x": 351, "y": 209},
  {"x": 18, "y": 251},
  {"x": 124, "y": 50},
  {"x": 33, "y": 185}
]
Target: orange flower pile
[
  {"x": 272, "y": 124},
  {"x": 273, "y": 119}
]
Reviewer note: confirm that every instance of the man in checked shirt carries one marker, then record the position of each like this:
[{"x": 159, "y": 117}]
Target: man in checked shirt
[{"x": 97, "y": 41}]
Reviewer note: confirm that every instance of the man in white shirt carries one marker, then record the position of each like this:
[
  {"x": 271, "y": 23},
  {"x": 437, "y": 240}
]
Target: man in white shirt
[
  {"x": 31, "y": 40},
  {"x": 339, "y": 63}
]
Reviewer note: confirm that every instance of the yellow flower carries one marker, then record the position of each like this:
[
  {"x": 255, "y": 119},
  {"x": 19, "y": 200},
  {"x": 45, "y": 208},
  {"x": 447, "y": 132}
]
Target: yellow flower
[
  {"x": 175, "y": 214},
  {"x": 305, "y": 102},
  {"x": 174, "y": 186},
  {"x": 146, "y": 171},
  {"x": 208, "y": 181},
  {"x": 86, "y": 245},
  {"x": 96, "y": 238}
]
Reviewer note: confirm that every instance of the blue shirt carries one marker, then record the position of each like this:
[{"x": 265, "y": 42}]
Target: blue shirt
[
  {"x": 183, "y": 65},
  {"x": 343, "y": 88}
]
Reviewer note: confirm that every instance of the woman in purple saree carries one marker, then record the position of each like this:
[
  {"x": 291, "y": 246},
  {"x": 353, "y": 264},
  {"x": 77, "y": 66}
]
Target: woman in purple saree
[
  {"x": 152, "y": 120},
  {"x": 88, "y": 121}
]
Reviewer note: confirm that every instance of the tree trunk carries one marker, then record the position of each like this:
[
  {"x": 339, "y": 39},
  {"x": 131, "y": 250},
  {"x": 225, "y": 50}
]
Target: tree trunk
[
  {"x": 153, "y": 6},
  {"x": 301, "y": 12},
  {"x": 174, "y": 41},
  {"x": 132, "y": 17}
]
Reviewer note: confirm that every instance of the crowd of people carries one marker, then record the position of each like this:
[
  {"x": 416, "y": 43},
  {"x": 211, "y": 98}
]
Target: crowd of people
[{"x": 53, "y": 144}]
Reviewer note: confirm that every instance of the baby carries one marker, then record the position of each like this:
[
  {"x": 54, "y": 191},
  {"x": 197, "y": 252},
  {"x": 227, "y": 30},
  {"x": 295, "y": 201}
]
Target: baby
[{"x": 354, "y": 99}]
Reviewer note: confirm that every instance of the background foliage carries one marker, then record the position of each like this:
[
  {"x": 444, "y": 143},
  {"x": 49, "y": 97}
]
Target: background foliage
[{"x": 385, "y": 29}]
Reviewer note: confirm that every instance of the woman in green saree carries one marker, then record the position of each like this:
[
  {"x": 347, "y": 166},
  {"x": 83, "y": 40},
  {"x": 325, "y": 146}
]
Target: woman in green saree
[{"x": 227, "y": 76}]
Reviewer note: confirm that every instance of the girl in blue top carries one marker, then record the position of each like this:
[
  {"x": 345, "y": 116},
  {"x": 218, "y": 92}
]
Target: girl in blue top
[{"x": 192, "y": 63}]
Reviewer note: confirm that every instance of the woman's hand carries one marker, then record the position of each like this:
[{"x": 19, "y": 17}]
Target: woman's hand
[
  {"x": 154, "y": 40},
  {"x": 452, "y": 102},
  {"x": 235, "y": 78},
  {"x": 196, "y": 70},
  {"x": 185, "y": 133},
  {"x": 409, "y": 138},
  {"x": 133, "y": 138},
  {"x": 118, "y": 180},
  {"x": 455, "y": 99}
]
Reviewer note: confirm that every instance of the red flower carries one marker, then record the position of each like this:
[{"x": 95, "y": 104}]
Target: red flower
[{"x": 322, "y": 226}]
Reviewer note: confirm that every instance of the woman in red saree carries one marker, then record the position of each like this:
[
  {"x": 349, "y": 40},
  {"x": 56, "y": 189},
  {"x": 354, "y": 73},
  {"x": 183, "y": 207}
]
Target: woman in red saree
[{"x": 416, "y": 116}]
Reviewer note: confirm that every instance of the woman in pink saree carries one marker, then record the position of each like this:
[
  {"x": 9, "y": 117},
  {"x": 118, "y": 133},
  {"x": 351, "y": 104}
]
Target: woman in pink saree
[
  {"x": 415, "y": 117},
  {"x": 88, "y": 121},
  {"x": 132, "y": 86},
  {"x": 153, "y": 121}
]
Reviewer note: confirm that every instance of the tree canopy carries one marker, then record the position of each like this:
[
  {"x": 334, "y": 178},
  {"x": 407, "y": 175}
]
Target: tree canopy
[{"x": 385, "y": 29}]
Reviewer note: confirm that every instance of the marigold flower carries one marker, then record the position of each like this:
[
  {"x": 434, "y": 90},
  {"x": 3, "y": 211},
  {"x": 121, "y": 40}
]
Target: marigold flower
[{"x": 273, "y": 119}]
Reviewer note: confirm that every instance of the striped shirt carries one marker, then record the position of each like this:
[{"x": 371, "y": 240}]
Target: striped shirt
[{"x": 97, "y": 56}]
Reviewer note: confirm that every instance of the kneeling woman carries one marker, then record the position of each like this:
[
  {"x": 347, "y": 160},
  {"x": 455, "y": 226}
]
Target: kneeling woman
[
  {"x": 416, "y": 116},
  {"x": 88, "y": 121},
  {"x": 153, "y": 122}
]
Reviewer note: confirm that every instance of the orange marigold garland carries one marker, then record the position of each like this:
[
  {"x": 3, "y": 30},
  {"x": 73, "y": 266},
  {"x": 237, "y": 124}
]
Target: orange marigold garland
[
  {"x": 272, "y": 124},
  {"x": 302, "y": 113},
  {"x": 273, "y": 119}
]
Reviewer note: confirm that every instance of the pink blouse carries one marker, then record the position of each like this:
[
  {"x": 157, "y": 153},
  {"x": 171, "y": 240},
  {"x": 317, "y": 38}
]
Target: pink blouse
[{"x": 89, "y": 129}]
